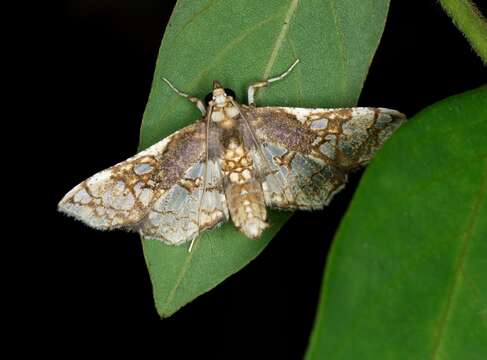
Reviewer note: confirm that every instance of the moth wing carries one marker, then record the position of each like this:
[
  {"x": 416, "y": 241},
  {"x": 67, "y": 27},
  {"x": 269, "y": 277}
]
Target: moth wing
[
  {"x": 311, "y": 150},
  {"x": 349, "y": 136},
  {"x": 126, "y": 194},
  {"x": 195, "y": 203}
]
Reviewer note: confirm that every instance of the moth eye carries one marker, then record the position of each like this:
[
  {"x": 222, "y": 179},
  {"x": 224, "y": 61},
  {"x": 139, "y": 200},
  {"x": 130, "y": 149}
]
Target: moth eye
[
  {"x": 208, "y": 98},
  {"x": 231, "y": 93}
]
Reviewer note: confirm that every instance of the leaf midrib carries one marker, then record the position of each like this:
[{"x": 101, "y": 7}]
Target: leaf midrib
[
  {"x": 182, "y": 273},
  {"x": 465, "y": 241}
]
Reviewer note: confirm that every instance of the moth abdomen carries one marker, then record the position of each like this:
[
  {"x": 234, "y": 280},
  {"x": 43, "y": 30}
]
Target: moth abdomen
[{"x": 247, "y": 208}]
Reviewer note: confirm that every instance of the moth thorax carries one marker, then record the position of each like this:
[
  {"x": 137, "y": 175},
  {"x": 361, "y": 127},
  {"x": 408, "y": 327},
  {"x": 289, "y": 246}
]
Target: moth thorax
[
  {"x": 247, "y": 207},
  {"x": 224, "y": 115}
]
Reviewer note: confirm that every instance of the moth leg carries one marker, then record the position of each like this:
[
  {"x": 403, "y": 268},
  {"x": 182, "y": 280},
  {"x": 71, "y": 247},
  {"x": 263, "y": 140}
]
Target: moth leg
[
  {"x": 199, "y": 104},
  {"x": 191, "y": 245},
  {"x": 263, "y": 83}
]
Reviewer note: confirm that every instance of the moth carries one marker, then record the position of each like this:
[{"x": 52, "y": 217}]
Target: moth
[{"x": 233, "y": 162}]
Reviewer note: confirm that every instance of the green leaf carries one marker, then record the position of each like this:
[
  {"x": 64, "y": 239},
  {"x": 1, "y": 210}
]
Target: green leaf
[
  {"x": 407, "y": 274},
  {"x": 238, "y": 43}
]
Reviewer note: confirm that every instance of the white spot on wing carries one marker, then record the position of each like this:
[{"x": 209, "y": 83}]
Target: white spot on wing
[
  {"x": 319, "y": 124},
  {"x": 82, "y": 197},
  {"x": 143, "y": 168},
  {"x": 300, "y": 113},
  {"x": 328, "y": 148},
  {"x": 145, "y": 196},
  {"x": 96, "y": 183}
]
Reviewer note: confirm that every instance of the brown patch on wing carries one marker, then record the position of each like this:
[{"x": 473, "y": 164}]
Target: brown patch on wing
[
  {"x": 185, "y": 149},
  {"x": 278, "y": 126}
]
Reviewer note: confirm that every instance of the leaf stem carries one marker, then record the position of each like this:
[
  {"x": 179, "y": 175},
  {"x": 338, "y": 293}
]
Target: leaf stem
[{"x": 470, "y": 22}]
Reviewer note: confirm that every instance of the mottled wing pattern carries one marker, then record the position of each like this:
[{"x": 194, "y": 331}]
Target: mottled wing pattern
[
  {"x": 189, "y": 207},
  {"x": 310, "y": 151},
  {"x": 148, "y": 190}
]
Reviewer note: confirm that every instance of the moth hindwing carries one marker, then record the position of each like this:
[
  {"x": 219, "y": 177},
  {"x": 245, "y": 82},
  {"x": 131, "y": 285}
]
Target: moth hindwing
[{"x": 235, "y": 161}]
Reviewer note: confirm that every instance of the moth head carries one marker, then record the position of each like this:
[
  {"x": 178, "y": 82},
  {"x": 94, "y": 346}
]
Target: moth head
[{"x": 219, "y": 96}]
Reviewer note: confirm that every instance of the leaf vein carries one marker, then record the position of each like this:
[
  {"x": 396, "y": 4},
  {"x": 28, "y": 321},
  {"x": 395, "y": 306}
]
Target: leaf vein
[
  {"x": 341, "y": 46},
  {"x": 196, "y": 15},
  {"x": 465, "y": 240},
  {"x": 280, "y": 38},
  {"x": 179, "y": 279}
]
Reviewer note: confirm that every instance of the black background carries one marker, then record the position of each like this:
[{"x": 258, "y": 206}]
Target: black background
[{"x": 99, "y": 58}]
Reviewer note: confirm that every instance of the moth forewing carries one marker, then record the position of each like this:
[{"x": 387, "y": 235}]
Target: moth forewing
[
  {"x": 313, "y": 149},
  {"x": 157, "y": 192}
]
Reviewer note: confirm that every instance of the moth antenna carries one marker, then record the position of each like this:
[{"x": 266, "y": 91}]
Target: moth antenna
[
  {"x": 199, "y": 104},
  {"x": 285, "y": 73},
  {"x": 263, "y": 83}
]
